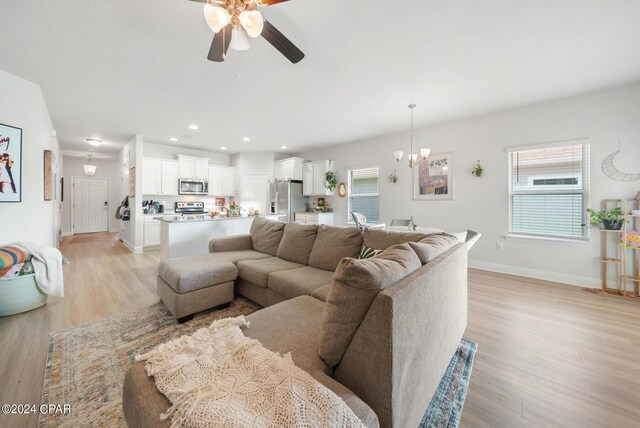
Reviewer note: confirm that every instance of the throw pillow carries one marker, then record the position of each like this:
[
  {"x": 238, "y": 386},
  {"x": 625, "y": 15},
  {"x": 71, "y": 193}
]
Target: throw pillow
[
  {"x": 354, "y": 287},
  {"x": 297, "y": 242},
  {"x": 333, "y": 244},
  {"x": 12, "y": 255},
  {"x": 266, "y": 235},
  {"x": 368, "y": 252},
  {"x": 432, "y": 246}
]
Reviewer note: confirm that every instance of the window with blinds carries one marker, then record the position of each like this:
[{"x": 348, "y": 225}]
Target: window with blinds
[
  {"x": 363, "y": 193},
  {"x": 549, "y": 190}
]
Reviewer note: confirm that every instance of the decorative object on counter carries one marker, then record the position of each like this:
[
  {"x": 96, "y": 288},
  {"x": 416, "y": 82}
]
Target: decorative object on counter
[
  {"x": 433, "y": 178},
  {"x": 234, "y": 209},
  {"x": 477, "y": 170},
  {"x": 89, "y": 168},
  {"x": 609, "y": 219},
  {"x": 330, "y": 180},
  {"x": 414, "y": 159},
  {"x": 342, "y": 189},
  {"x": 10, "y": 164},
  {"x": 220, "y": 202},
  {"x": 132, "y": 182},
  {"x": 610, "y": 170},
  {"x": 393, "y": 178}
]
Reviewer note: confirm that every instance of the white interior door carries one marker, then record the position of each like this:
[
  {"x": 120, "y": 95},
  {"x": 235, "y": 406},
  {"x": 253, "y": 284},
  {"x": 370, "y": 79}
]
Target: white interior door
[
  {"x": 90, "y": 205},
  {"x": 255, "y": 192}
]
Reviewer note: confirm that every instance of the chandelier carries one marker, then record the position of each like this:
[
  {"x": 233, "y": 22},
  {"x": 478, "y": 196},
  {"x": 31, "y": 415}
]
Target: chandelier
[
  {"x": 413, "y": 157},
  {"x": 89, "y": 169}
]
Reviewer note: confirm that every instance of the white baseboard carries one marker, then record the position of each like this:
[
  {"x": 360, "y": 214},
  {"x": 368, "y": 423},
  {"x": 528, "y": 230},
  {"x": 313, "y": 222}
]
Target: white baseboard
[
  {"x": 66, "y": 233},
  {"x": 114, "y": 230},
  {"x": 580, "y": 281}
]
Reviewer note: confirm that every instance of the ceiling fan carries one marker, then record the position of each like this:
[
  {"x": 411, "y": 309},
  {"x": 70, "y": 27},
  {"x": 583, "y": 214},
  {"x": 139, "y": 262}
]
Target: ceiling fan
[{"x": 233, "y": 20}]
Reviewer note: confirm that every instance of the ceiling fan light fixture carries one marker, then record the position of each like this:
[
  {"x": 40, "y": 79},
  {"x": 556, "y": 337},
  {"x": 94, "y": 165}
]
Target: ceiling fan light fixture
[
  {"x": 252, "y": 21},
  {"x": 217, "y": 17},
  {"x": 239, "y": 41}
]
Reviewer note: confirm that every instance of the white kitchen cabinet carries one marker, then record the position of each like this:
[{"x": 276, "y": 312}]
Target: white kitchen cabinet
[
  {"x": 151, "y": 232},
  {"x": 191, "y": 167},
  {"x": 314, "y": 218},
  {"x": 288, "y": 169},
  {"x": 222, "y": 180},
  {"x": 314, "y": 178},
  {"x": 159, "y": 177}
]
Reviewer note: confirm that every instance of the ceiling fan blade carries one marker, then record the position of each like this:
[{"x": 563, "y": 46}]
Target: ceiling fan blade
[
  {"x": 220, "y": 44},
  {"x": 280, "y": 42},
  {"x": 270, "y": 2}
]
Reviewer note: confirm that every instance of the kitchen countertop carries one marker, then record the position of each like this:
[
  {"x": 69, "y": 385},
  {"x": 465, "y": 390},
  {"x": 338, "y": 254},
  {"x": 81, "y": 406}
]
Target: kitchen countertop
[{"x": 198, "y": 217}]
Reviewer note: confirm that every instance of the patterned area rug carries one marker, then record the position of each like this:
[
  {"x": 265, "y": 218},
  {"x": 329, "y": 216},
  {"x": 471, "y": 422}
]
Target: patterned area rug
[
  {"x": 86, "y": 366},
  {"x": 446, "y": 405}
]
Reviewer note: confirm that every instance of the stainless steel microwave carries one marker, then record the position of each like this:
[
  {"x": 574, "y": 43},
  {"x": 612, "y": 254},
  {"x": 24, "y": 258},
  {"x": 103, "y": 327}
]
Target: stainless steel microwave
[{"x": 191, "y": 186}]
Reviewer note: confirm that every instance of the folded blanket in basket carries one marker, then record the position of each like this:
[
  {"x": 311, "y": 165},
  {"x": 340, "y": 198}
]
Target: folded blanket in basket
[{"x": 218, "y": 377}]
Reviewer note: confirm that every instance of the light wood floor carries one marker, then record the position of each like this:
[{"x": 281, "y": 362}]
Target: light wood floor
[{"x": 549, "y": 355}]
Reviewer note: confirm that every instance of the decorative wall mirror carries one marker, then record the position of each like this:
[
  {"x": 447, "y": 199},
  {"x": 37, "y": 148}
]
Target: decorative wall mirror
[{"x": 342, "y": 189}]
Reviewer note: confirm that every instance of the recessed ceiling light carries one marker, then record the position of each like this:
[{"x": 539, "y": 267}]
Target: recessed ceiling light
[
  {"x": 174, "y": 139},
  {"x": 284, "y": 147},
  {"x": 194, "y": 127},
  {"x": 223, "y": 148},
  {"x": 94, "y": 141},
  {"x": 246, "y": 139}
]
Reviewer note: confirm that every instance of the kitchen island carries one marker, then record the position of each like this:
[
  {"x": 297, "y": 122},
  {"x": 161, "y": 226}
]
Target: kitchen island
[{"x": 189, "y": 235}]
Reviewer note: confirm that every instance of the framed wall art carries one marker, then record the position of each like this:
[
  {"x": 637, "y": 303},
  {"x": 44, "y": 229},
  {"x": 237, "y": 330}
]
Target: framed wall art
[
  {"x": 10, "y": 164},
  {"x": 433, "y": 178},
  {"x": 132, "y": 182}
]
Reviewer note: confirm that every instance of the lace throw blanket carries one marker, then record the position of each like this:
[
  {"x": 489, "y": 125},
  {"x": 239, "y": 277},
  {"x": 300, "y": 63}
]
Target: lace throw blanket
[{"x": 218, "y": 377}]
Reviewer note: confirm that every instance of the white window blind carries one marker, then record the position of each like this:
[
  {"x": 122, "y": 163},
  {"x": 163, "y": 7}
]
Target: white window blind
[
  {"x": 363, "y": 193},
  {"x": 549, "y": 190}
]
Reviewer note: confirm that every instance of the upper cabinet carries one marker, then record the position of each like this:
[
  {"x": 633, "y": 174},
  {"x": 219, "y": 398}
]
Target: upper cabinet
[
  {"x": 222, "y": 181},
  {"x": 192, "y": 167},
  {"x": 288, "y": 169},
  {"x": 159, "y": 177},
  {"x": 313, "y": 178}
]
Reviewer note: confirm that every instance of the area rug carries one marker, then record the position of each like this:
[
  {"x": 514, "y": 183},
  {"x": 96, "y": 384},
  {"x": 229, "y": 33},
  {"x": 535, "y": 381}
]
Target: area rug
[
  {"x": 446, "y": 405},
  {"x": 86, "y": 366}
]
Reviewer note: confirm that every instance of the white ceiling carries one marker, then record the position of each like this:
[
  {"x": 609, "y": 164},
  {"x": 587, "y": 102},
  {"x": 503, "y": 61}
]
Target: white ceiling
[{"x": 112, "y": 69}]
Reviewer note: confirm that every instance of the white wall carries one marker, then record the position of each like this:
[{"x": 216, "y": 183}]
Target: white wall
[
  {"x": 482, "y": 203},
  {"x": 22, "y": 105},
  {"x": 73, "y": 167}
]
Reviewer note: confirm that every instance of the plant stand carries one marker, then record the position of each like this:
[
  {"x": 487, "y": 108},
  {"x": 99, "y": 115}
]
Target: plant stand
[{"x": 624, "y": 261}]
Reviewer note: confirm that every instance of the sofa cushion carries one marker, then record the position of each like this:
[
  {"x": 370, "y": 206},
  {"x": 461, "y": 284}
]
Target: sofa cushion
[
  {"x": 383, "y": 239},
  {"x": 236, "y": 256},
  {"x": 333, "y": 244},
  {"x": 186, "y": 274},
  {"x": 258, "y": 271},
  {"x": 297, "y": 242},
  {"x": 432, "y": 246},
  {"x": 355, "y": 285},
  {"x": 299, "y": 282},
  {"x": 266, "y": 235},
  {"x": 322, "y": 292}
]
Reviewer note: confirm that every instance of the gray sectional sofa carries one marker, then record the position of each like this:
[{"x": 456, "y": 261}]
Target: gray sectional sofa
[{"x": 378, "y": 332}]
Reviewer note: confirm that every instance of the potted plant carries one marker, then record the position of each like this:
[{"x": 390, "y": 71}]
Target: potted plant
[
  {"x": 609, "y": 219},
  {"x": 477, "y": 170},
  {"x": 330, "y": 180},
  {"x": 234, "y": 209}
]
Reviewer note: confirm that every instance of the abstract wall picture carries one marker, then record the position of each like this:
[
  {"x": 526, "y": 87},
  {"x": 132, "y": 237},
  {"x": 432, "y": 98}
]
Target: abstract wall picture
[
  {"x": 132, "y": 182},
  {"x": 433, "y": 178},
  {"x": 10, "y": 164}
]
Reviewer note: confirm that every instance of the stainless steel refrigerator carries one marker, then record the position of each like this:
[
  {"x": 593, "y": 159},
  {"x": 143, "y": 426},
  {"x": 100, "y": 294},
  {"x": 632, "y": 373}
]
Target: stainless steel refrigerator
[{"x": 286, "y": 199}]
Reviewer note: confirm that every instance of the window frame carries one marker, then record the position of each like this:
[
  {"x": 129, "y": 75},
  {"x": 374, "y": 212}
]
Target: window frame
[
  {"x": 368, "y": 195},
  {"x": 585, "y": 191}
]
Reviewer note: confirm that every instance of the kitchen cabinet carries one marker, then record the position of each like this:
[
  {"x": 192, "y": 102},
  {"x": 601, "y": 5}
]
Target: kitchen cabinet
[
  {"x": 192, "y": 167},
  {"x": 314, "y": 218},
  {"x": 314, "y": 178},
  {"x": 222, "y": 180},
  {"x": 151, "y": 232},
  {"x": 159, "y": 177},
  {"x": 288, "y": 169}
]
